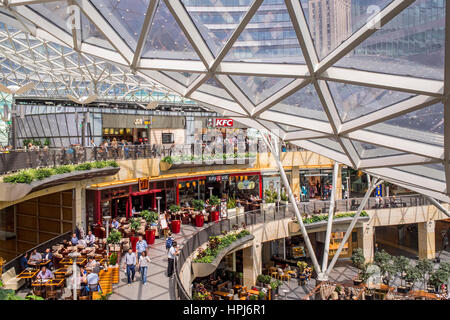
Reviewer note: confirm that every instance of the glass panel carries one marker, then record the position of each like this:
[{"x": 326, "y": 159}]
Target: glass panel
[
  {"x": 216, "y": 20},
  {"x": 53, "y": 124},
  {"x": 166, "y": 39},
  {"x": 126, "y": 17},
  {"x": 431, "y": 170},
  {"x": 355, "y": 101},
  {"x": 367, "y": 150},
  {"x": 91, "y": 34},
  {"x": 37, "y": 124},
  {"x": 258, "y": 89},
  {"x": 185, "y": 78},
  {"x": 62, "y": 124},
  {"x": 269, "y": 37},
  {"x": 304, "y": 103},
  {"x": 332, "y": 22},
  {"x": 411, "y": 44},
  {"x": 46, "y": 126},
  {"x": 328, "y": 143},
  {"x": 72, "y": 125},
  {"x": 424, "y": 125},
  {"x": 56, "y": 12},
  {"x": 31, "y": 126},
  {"x": 211, "y": 86}
]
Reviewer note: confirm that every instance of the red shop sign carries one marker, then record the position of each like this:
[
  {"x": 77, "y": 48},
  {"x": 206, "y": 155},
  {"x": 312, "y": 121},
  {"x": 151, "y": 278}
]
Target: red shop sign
[{"x": 223, "y": 123}]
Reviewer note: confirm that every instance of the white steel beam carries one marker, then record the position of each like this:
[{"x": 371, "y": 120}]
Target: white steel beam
[
  {"x": 439, "y": 206},
  {"x": 172, "y": 65},
  {"x": 398, "y": 160},
  {"x": 330, "y": 217},
  {"x": 384, "y": 114},
  {"x": 190, "y": 31},
  {"x": 150, "y": 14},
  {"x": 263, "y": 69},
  {"x": 279, "y": 96},
  {"x": 324, "y": 151},
  {"x": 384, "y": 81},
  {"x": 374, "y": 183},
  {"x": 236, "y": 33},
  {"x": 401, "y": 144},
  {"x": 406, "y": 177},
  {"x": 446, "y": 99},
  {"x": 302, "y": 31},
  {"x": 102, "y": 24},
  {"x": 276, "y": 155},
  {"x": 304, "y": 134},
  {"x": 236, "y": 93},
  {"x": 383, "y": 17},
  {"x": 197, "y": 83},
  {"x": 297, "y": 121}
]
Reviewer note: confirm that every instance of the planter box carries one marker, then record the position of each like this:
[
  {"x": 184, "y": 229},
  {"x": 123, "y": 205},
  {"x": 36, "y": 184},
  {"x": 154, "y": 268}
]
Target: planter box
[
  {"x": 232, "y": 212},
  {"x": 268, "y": 207},
  {"x": 294, "y": 226},
  {"x": 164, "y": 166},
  {"x": 204, "y": 269}
]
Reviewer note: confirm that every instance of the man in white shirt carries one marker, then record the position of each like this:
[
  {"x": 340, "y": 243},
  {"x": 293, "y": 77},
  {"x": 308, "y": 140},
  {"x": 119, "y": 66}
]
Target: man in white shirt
[
  {"x": 130, "y": 262},
  {"x": 173, "y": 251},
  {"x": 90, "y": 239}
]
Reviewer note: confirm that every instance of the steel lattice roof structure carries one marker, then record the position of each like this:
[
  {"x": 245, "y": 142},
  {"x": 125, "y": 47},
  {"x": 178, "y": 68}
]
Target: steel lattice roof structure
[{"x": 363, "y": 82}]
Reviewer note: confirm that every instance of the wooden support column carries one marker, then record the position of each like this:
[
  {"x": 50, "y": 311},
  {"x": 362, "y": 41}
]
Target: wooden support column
[{"x": 427, "y": 249}]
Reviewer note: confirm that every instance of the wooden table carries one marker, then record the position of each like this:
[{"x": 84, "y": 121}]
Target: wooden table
[
  {"x": 68, "y": 261},
  {"x": 28, "y": 275},
  {"x": 224, "y": 295},
  {"x": 61, "y": 272},
  {"x": 423, "y": 294}
]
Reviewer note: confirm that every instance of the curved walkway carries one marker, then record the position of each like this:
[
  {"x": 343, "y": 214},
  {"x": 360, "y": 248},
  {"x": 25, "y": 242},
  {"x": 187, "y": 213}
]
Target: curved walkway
[{"x": 159, "y": 286}]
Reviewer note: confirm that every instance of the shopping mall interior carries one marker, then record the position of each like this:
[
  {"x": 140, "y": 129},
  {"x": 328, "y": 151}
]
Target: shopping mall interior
[{"x": 224, "y": 150}]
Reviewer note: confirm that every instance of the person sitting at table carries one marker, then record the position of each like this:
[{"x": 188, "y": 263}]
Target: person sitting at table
[
  {"x": 35, "y": 257},
  {"x": 92, "y": 280},
  {"x": 45, "y": 273},
  {"x": 115, "y": 224},
  {"x": 65, "y": 243},
  {"x": 74, "y": 240},
  {"x": 23, "y": 261},
  {"x": 49, "y": 256},
  {"x": 92, "y": 263},
  {"x": 90, "y": 239}
]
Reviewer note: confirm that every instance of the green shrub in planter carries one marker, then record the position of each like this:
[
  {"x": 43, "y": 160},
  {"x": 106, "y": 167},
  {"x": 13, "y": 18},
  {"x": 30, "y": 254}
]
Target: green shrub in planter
[
  {"x": 43, "y": 173},
  {"x": 114, "y": 237},
  {"x": 174, "y": 208},
  {"x": 21, "y": 177},
  {"x": 111, "y": 163},
  {"x": 167, "y": 159},
  {"x": 198, "y": 204},
  {"x": 98, "y": 164},
  {"x": 62, "y": 169},
  {"x": 214, "y": 201},
  {"x": 83, "y": 166},
  {"x": 231, "y": 203}
]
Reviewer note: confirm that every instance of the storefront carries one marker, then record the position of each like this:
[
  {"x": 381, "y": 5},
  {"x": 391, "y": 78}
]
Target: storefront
[
  {"x": 189, "y": 189},
  {"x": 316, "y": 184}
]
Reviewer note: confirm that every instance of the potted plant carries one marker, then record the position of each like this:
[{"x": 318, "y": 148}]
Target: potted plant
[
  {"x": 231, "y": 207},
  {"x": 275, "y": 285},
  {"x": 270, "y": 197},
  {"x": 199, "y": 206},
  {"x": 387, "y": 268},
  {"x": 113, "y": 239},
  {"x": 134, "y": 226},
  {"x": 425, "y": 267},
  {"x": 401, "y": 265},
  {"x": 214, "y": 201},
  {"x": 359, "y": 262},
  {"x": 412, "y": 275},
  {"x": 438, "y": 277},
  {"x": 301, "y": 266},
  {"x": 165, "y": 163}
]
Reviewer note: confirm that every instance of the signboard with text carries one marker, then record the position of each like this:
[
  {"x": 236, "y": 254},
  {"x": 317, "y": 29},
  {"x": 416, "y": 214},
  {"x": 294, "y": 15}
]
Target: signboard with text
[
  {"x": 143, "y": 184},
  {"x": 220, "y": 123}
]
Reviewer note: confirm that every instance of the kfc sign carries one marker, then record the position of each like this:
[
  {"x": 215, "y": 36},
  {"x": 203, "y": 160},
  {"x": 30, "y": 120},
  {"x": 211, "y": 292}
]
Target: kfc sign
[{"x": 223, "y": 123}]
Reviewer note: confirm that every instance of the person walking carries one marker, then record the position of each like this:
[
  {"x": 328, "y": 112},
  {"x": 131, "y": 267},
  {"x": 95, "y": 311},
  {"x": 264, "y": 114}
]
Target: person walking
[
  {"x": 173, "y": 251},
  {"x": 130, "y": 262},
  {"x": 143, "y": 264},
  {"x": 141, "y": 246}
]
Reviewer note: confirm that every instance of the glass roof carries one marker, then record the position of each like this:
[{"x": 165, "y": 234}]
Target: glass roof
[{"x": 360, "y": 81}]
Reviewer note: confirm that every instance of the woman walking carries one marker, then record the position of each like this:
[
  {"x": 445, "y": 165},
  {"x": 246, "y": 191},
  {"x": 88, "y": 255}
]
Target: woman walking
[{"x": 144, "y": 263}]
